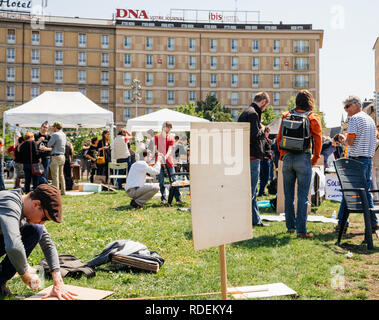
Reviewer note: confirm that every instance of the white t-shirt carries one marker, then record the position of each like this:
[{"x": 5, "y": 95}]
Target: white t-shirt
[
  {"x": 137, "y": 173},
  {"x": 363, "y": 127}
]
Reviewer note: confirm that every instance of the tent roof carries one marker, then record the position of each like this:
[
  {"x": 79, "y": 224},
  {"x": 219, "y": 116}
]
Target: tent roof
[
  {"x": 180, "y": 121},
  {"x": 73, "y": 109}
]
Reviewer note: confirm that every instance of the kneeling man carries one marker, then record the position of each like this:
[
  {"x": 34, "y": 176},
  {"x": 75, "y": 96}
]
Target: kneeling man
[{"x": 135, "y": 187}]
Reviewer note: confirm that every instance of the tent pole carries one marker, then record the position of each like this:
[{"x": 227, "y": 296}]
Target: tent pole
[{"x": 2, "y": 154}]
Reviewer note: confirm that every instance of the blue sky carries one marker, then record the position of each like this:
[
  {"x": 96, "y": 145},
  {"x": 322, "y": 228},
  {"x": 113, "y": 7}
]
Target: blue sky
[{"x": 350, "y": 27}]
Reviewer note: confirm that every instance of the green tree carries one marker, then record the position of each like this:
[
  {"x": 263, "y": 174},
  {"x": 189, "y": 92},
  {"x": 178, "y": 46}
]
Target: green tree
[
  {"x": 189, "y": 109},
  {"x": 269, "y": 116},
  {"x": 212, "y": 110}
]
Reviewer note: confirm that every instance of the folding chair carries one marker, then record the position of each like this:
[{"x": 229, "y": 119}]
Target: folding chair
[
  {"x": 116, "y": 167},
  {"x": 354, "y": 189}
]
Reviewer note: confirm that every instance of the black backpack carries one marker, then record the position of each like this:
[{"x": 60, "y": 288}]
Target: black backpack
[{"x": 295, "y": 132}]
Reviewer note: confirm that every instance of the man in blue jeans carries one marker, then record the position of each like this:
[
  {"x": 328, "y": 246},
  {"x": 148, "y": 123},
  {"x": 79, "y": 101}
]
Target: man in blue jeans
[
  {"x": 361, "y": 140},
  {"x": 253, "y": 115},
  {"x": 42, "y": 139}
]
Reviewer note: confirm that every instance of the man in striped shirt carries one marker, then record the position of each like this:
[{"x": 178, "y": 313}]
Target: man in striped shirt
[{"x": 361, "y": 140}]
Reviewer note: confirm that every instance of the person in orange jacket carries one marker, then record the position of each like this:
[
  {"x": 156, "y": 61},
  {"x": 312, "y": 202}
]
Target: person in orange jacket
[{"x": 298, "y": 167}]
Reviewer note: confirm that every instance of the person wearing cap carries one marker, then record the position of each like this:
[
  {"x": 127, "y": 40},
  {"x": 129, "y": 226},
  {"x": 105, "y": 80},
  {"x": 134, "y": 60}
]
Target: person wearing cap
[
  {"x": 57, "y": 146},
  {"x": 22, "y": 219}
]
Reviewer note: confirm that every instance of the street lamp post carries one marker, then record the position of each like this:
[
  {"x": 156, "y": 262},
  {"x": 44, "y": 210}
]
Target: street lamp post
[{"x": 136, "y": 87}]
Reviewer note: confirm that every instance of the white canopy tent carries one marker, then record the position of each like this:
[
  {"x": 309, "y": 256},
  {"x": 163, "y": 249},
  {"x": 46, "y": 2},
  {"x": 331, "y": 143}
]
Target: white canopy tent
[
  {"x": 180, "y": 121},
  {"x": 72, "y": 109}
]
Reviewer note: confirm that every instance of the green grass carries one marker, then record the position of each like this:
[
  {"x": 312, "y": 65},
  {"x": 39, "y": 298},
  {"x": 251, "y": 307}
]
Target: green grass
[{"x": 91, "y": 222}]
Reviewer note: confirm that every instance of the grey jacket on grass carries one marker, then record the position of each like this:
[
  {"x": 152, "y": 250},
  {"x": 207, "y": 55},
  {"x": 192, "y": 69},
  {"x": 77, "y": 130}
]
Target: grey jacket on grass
[{"x": 11, "y": 220}]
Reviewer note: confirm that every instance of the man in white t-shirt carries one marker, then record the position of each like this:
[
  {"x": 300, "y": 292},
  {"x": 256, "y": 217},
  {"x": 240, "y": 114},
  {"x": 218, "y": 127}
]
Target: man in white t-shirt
[
  {"x": 361, "y": 140},
  {"x": 135, "y": 187}
]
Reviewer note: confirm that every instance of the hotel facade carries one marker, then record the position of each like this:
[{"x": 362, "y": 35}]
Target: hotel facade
[
  {"x": 376, "y": 93},
  {"x": 175, "y": 62}
]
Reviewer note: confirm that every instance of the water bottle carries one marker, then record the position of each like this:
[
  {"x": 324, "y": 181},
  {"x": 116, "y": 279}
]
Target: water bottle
[{"x": 334, "y": 214}]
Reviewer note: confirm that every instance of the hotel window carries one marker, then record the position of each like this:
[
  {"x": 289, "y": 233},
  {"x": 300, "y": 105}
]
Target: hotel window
[
  {"x": 255, "y": 63},
  {"x": 170, "y": 79},
  {"x": 34, "y": 92},
  {"x": 104, "y": 95},
  {"x": 105, "y": 59},
  {"x": 171, "y": 62},
  {"x": 234, "y": 98},
  {"x": 127, "y": 60},
  {"x": 301, "y": 64},
  {"x": 149, "y": 43},
  {"x": 11, "y": 74},
  {"x": 11, "y": 55},
  {"x": 234, "y": 80},
  {"x": 35, "y": 38},
  {"x": 276, "y": 101},
  {"x": 35, "y": 75},
  {"x": 10, "y": 93},
  {"x": 149, "y": 110},
  {"x": 11, "y": 36},
  {"x": 83, "y": 91},
  {"x": 170, "y": 44},
  {"x": 149, "y": 61},
  {"x": 127, "y": 96},
  {"x": 58, "y": 75},
  {"x": 59, "y": 39},
  {"x": 192, "y": 62},
  {"x": 127, "y": 42},
  {"x": 82, "y": 76},
  {"x": 149, "y": 97},
  {"x": 58, "y": 57},
  {"x": 213, "y": 80},
  {"x": 276, "y": 46},
  {"x": 126, "y": 114},
  {"x": 192, "y": 80},
  {"x": 234, "y": 45},
  {"x": 149, "y": 79},
  {"x": 276, "y": 81},
  {"x": 213, "y": 94},
  {"x": 104, "y": 41},
  {"x": 235, "y": 63},
  {"x": 301, "y": 46},
  {"x": 82, "y": 58},
  {"x": 192, "y": 96},
  {"x": 104, "y": 77},
  {"x": 192, "y": 44},
  {"x": 235, "y": 115},
  {"x": 58, "y": 89},
  {"x": 301, "y": 81},
  {"x": 35, "y": 56},
  {"x": 213, "y": 62},
  {"x": 213, "y": 45},
  {"x": 255, "y": 45},
  {"x": 82, "y": 40},
  {"x": 170, "y": 97},
  {"x": 255, "y": 80},
  {"x": 276, "y": 63},
  {"x": 127, "y": 78}
]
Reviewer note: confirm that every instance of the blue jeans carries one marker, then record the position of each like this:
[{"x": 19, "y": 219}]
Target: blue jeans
[
  {"x": 122, "y": 171},
  {"x": 2, "y": 185},
  {"x": 46, "y": 165},
  {"x": 264, "y": 175},
  {"x": 162, "y": 186},
  {"x": 29, "y": 177},
  {"x": 367, "y": 167},
  {"x": 297, "y": 167},
  {"x": 31, "y": 234},
  {"x": 254, "y": 175}
]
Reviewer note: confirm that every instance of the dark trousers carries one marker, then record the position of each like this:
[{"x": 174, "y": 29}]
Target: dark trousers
[
  {"x": 30, "y": 235},
  {"x": 122, "y": 171},
  {"x": 46, "y": 165},
  {"x": 29, "y": 177},
  {"x": 264, "y": 175}
]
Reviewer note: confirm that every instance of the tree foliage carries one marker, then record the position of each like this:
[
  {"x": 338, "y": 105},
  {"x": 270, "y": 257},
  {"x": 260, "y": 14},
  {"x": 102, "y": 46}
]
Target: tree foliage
[
  {"x": 212, "y": 110},
  {"x": 269, "y": 115}
]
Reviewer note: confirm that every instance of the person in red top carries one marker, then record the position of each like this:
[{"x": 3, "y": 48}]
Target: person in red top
[
  {"x": 298, "y": 167},
  {"x": 164, "y": 144}
]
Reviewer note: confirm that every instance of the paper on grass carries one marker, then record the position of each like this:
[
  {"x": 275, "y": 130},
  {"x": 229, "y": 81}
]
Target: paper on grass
[{"x": 262, "y": 291}]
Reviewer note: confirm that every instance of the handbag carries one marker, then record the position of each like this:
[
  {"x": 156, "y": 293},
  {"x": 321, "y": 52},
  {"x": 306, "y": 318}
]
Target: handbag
[
  {"x": 101, "y": 159},
  {"x": 37, "y": 168}
]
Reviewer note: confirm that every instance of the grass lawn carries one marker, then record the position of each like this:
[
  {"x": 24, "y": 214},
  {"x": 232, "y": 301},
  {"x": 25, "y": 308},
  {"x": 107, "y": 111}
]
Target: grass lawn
[{"x": 305, "y": 265}]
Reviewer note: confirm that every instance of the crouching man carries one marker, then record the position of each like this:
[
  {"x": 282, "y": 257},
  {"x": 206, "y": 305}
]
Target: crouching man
[
  {"x": 135, "y": 187},
  {"x": 22, "y": 219}
]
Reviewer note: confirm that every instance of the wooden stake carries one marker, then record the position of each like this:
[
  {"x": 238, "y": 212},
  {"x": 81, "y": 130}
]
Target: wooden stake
[{"x": 224, "y": 289}]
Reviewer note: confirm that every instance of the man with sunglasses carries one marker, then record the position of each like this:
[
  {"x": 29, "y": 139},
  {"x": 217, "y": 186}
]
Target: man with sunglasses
[
  {"x": 361, "y": 141},
  {"x": 22, "y": 219}
]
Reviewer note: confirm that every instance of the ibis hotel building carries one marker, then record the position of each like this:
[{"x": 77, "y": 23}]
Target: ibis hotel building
[{"x": 176, "y": 59}]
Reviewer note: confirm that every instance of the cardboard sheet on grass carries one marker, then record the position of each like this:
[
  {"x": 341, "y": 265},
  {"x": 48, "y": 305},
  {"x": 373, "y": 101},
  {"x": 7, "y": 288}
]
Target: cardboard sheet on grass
[
  {"x": 220, "y": 184},
  {"x": 82, "y": 293}
]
